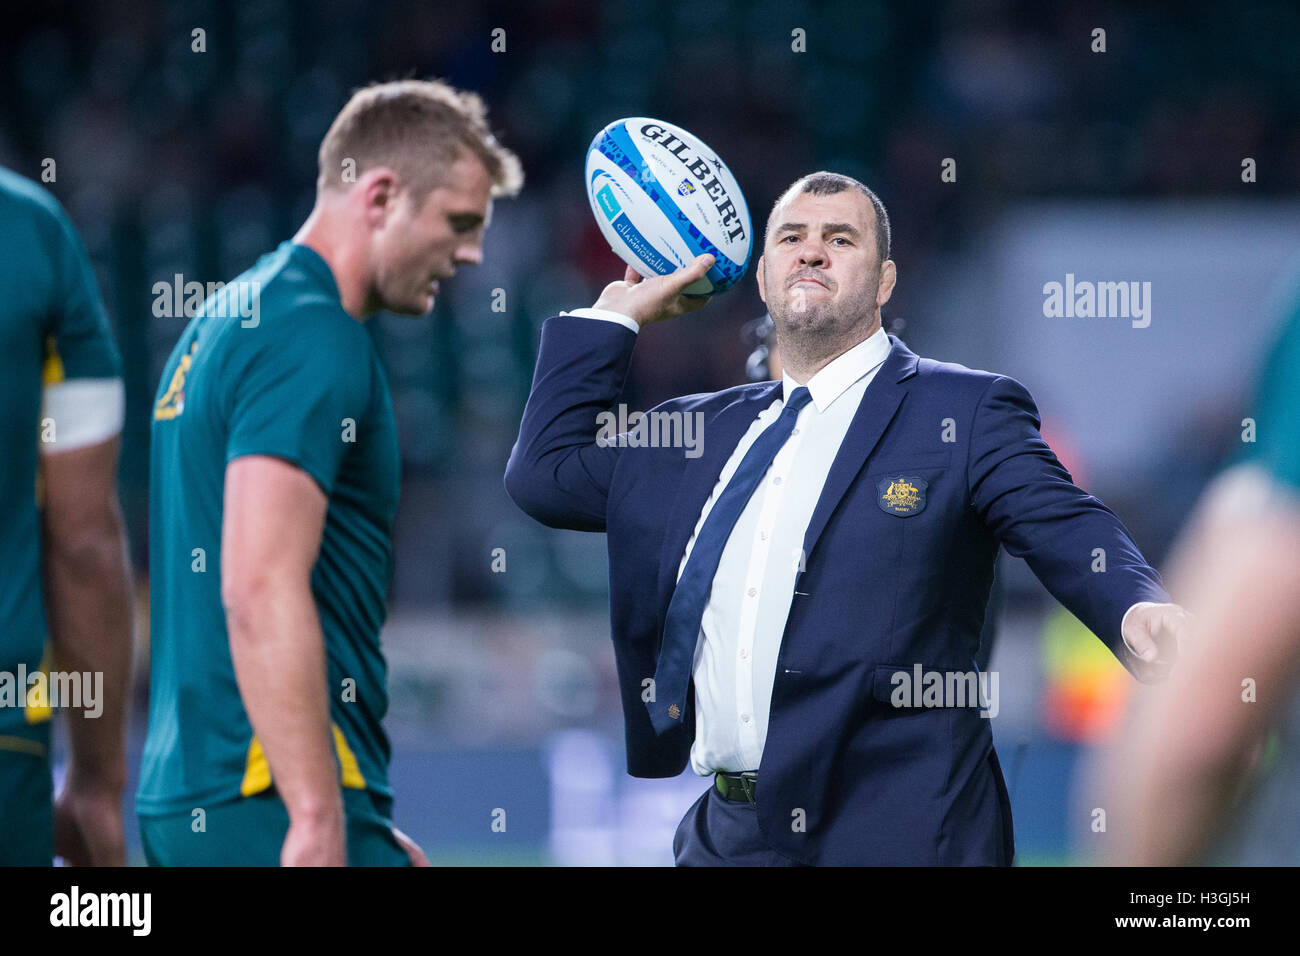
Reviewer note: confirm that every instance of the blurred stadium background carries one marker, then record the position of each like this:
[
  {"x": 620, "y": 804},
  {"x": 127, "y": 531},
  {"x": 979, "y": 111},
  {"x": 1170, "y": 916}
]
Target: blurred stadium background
[{"x": 1117, "y": 166}]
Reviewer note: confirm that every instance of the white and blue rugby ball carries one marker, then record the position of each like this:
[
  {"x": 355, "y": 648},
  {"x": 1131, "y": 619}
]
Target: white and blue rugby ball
[{"x": 661, "y": 198}]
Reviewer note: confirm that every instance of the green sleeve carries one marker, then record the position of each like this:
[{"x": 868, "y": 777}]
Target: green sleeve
[
  {"x": 1276, "y": 408},
  {"x": 303, "y": 394},
  {"x": 79, "y": 342}
]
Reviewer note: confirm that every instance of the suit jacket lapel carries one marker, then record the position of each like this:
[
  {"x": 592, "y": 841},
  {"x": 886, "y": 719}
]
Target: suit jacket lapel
[
  {"x": 722, "y": 433},
  {"x": 876, "y": 410}
]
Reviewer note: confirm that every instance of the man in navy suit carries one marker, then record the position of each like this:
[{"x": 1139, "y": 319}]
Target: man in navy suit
[{"x": 797, "y": 600}]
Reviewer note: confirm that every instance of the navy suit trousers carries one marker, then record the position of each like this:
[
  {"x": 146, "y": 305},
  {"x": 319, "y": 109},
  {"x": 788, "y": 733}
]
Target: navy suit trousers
[{"x": 721, "y": 832}]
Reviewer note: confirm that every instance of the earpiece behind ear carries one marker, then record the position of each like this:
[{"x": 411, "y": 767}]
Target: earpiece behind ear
[{"x": 757, "y": 332}]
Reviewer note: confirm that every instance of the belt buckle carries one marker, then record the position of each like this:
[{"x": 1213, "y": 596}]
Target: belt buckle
[{"x": 749, "y": 783}]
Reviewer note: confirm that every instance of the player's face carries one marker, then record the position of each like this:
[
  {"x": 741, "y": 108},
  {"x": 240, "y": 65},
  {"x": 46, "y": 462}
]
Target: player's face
[
  {"x": 419, "y": 245},
  {"x": 820, "y": 272}
]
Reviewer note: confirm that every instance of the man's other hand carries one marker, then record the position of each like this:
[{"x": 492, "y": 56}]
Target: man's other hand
[
  {"x": 316, "y": 840},
  {"x": 412, "y": 849},
  {"x": 1153, "y": 633},
  {"x": 88, "y": 825}
]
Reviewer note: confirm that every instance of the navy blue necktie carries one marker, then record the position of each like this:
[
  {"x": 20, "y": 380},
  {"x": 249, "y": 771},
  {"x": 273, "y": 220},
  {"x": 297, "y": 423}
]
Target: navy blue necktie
[{"x": 685, "y": 610}]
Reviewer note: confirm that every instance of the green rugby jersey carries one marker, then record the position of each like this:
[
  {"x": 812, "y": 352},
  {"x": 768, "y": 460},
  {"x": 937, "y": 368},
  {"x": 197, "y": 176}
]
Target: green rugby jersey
[
  {"x": 298, "y": 379},
  {"x": 52, "y": 328},
  {"x": 1277, "y": 420},
  {"x": 1264, "y": 827}
]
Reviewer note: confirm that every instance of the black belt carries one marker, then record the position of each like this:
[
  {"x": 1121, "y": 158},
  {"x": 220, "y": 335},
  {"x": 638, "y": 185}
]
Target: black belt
[{"x": 738, "y": 787}]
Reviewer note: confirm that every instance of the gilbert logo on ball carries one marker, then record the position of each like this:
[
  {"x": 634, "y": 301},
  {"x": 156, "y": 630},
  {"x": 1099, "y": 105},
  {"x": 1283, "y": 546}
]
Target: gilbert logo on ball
[{"x": 661, "y": 198}]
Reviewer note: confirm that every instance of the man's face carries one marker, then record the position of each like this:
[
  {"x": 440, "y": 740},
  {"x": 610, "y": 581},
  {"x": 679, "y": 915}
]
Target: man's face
[
  {"x": 418, "y": 245},
  {"x": 820, "y": 272}
]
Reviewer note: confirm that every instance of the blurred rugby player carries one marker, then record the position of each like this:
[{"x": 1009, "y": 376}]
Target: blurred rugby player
[
  {"x": 1207, "y": 774},
  {"x": 60, "y": 532}
]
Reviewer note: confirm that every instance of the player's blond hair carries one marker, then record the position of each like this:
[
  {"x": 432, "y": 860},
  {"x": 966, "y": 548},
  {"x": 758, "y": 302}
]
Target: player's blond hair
[{"x": 419, "y": 128}]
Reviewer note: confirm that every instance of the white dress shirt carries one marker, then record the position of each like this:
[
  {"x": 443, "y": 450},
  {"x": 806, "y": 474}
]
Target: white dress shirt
[
  {"x": 743, "y": 622},
  {"x": 740, "y": 632}
]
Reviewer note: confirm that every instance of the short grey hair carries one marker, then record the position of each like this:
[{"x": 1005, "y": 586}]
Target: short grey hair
[{"x": 828, "y": 184}]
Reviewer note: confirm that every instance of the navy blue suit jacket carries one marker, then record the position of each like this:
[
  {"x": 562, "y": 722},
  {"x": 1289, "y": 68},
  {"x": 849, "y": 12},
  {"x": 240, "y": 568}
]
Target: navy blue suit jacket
[{"x": 846, "y": 778}]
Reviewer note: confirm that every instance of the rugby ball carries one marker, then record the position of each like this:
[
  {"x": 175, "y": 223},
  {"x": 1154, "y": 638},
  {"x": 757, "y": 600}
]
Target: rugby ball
[{"x": 661, "y": 198}]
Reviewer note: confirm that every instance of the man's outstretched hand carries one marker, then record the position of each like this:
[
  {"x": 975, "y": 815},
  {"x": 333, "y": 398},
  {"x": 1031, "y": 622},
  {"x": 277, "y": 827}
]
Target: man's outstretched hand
[
  {"x": 653, "y": 300},
  {"x": 1153, "y": 633}
]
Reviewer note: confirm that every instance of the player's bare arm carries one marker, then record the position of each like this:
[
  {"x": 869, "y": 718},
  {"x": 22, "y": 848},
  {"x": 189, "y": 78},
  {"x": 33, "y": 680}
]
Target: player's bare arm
[
  {"x": 88, "y": 589},
  {"x": 274, "y": 514},
  {"x": 1193, "y": 745}
]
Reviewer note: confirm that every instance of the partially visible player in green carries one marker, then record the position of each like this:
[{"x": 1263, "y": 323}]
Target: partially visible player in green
[
  {"x": 1208, "y": 771},
  {"x": 275, "y": 478},
  {"x": 61, "y": 533}
]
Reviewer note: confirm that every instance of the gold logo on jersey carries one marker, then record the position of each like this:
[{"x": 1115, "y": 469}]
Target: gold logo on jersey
[
  {"x": 904, "y": 495},
  {"x": 52, "y": 370},
  {"x": 674, "y": 711},
  {"x": 172, "y": 404}
]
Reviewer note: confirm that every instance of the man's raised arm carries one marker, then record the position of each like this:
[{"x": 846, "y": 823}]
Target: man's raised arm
[{"x": 557, "y": 472}]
